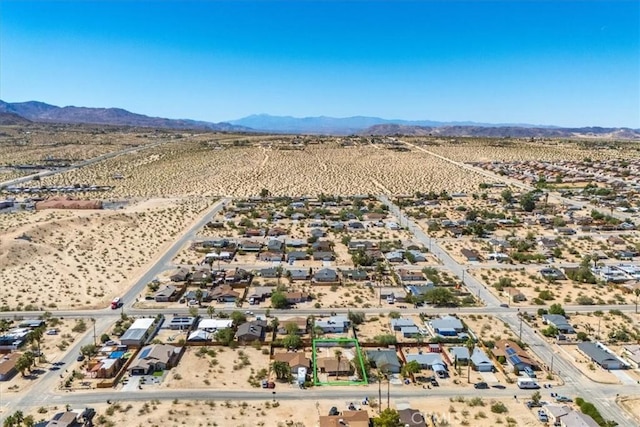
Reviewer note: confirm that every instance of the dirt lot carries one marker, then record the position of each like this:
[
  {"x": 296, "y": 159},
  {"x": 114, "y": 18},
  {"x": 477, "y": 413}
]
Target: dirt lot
[{"x": 221, "y": 367}]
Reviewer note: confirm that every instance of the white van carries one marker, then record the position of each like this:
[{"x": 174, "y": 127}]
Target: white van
[{"x": 527, "y": 383}]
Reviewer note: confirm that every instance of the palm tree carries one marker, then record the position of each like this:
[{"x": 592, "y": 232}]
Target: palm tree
[
  {"x": 18, "y": 417},
  {"x": 36, "y": 336},
  {"x": 199, "y": 296},
  {"x": 471, "y": 346},
  {"x": 9, "y": 421},
  {"x": 211, "y": 311},
  {"x": 338, "y": 354},
  {"x": 281, "y": 369}
]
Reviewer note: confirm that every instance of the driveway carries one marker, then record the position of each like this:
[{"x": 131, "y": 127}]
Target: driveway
[
  {"x": 623, "y": 377},
  {"x": 489, "y": 377}
]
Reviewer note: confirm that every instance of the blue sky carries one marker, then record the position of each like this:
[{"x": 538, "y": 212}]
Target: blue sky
[{"x": 567, "y": 63}]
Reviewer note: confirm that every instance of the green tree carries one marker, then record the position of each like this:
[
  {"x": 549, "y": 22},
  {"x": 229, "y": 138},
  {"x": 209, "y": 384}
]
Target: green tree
[
  {"x": 356, "y": 318},
  {"x": 528, "y": 202},
  {"x": 440, "y": 297},
  {"x": 292, "y": 341},
  {"x": 199, "y": 296},
  {"x": 388, "y": 418},
  {"x": 238, "y": 318},
  {"x": 556, "y": 309},
  {"x": 104, "y": 338},
  {"x": 193, "y": 311},
  {"x": 211, "y": 310},
  {"x": 29, "y": 421},
  {"x": 535, "y": 397},
  {"x": 35, "y": 336},
  {"x": 225, "y": 336},
  {"x": 24, "y": 363},
  {"x": 385, "y": 339},
  {"x": 279, "y": 300},
  {"x": 281, "y": 369},
  {"x": 89, "y": 350},
  {"x": 506, "y": 195},
  {"x": 409, "y": 368}
]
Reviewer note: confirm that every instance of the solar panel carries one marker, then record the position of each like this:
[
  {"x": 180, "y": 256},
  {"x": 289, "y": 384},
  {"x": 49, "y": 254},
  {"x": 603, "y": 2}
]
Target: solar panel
[
  {"x": 515, "y": 360},
  {"x": 145, "y": 353},
  {"x": 510, "y": 351}
]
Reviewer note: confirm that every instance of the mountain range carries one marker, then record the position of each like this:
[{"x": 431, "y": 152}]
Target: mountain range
[
  {"x": 20, "y": 113},
  {"x": 40, "y": 112}
]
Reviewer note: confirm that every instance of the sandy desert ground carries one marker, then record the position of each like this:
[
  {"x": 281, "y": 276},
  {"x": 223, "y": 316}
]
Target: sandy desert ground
[
  {"x": 84, "y": 258},
  {"x": 188, "y": 168},
  {"x": 299, "y": 413}
]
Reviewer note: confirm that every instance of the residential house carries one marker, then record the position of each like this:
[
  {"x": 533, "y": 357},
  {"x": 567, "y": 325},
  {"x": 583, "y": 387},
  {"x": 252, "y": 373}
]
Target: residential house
[
  {"x": 199, "y": 335},
  {"x": 296, "y": 243},
  {"x": 271, "y": 256},
  {"x": 560, "y": 322},
  {"x": 224, "y": 293},
  {"x": 8, "y": 366},
  {"x": 384, "y": 360},
  {"x": 299, "y": 274},
  {"x": 461, "y": 354},
  {"x": 356, "y": 245},
  {"x": 317, "y": 233},
  {"x": 420, "y": 289},
  {"x": 431, "y": 361},
  {"x": 296, "y": 297},
  {"x": 322, "y": 246},
  {"x": 615, "y": 240},
  {"x": 299, "y": 322},
  {"x": 334, "y": 367},
  {"x": 295, "y": 360},
  {"x": 153, "y": 358},
  {"x": 181, "y": 322},
  {"x": 238, "y": 276},
  {"x": 71, "y": 418},
  {"x": 514, "y": 294},
  {"x": 214, "y": 325},
  {"x": 577, "y": 419},
  {"x": 398, "y": 324},
  {"x": 411, "y": 418},
  {"x": 326, "y": 275},
  {"x": 259, "y": 294},
  {"x": 417, "y": 255},
  {"x": 393, "y": 293},
  {"x": 180, "y": 275},
  {"x": 251, "y": 331},
  {"x": 254, "y": 232},
  {"x": 192, "y": 296},
  {"x": 275, "y": 245},
  {"x": 556, "y": 413},
  {"x": 269, "y": 273},
  {"x": 139, "y": 332},
  {"x": 631, "y": 352},
  {"x": 513, "y": 355},
  {"x": 250, "y": 246},
  {"x": 323, "y": 256},
  {"x": 200, "y": 276},
  {"x": 277, "y": 231},
  {"x": 394, "y": 256},
  {"x": 406, "y": 275},
  {"x": 481, "y": 362},
  {"x": 346, "y": 418},
  {"x": 446, "y": 326},
  {"x": 470, "y": 254},
  {"x": 333, "y": 324},
  {"x": 166, "y": 294},
  {"x": 354, "y": 275},
  {"x": 297, "y": 256},
  {"x": 552, "y": 273},
  {"x": 600, "y": 355}
]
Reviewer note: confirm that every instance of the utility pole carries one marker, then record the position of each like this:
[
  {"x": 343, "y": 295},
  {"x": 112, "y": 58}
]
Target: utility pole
[
  {"x": 94, "y": 330},
  {"x": 552, "y": 356}
]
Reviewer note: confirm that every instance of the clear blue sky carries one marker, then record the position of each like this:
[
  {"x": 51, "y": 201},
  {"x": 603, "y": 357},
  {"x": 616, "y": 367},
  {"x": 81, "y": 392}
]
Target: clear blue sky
[{"x": 567, "y": 63}]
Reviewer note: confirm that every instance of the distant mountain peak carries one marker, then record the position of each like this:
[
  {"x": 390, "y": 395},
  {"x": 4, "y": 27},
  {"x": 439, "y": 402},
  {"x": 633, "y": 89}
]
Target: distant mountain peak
[{"x": 41, "y": 112}]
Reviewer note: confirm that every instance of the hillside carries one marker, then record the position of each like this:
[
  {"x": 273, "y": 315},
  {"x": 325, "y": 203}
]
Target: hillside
[
  {"x": 504, "y": 131},
  {"x": 41, "y": 112}
]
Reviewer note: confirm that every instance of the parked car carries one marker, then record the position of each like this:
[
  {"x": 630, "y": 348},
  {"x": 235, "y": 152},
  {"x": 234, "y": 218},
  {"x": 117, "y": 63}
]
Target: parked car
[
  {"x": 542, "y": 416},
  {"x": 80, "y": 357},
  {"x": 334, "y": 411},
  {"x": 481, "y": 385},
  {"x": 564, "y": 399},
  {"x": 532, "y": 404}
]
